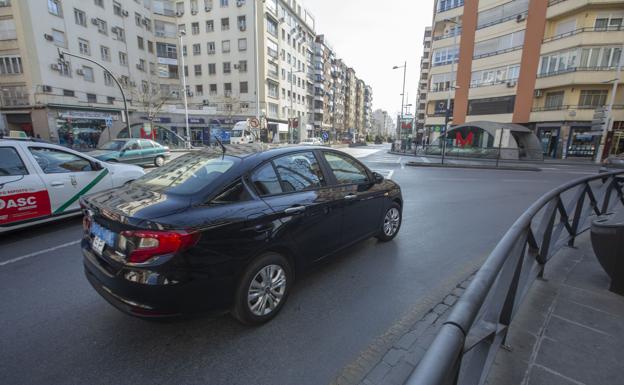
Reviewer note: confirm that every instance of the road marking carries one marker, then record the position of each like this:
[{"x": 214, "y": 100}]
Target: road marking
[
  {"x": 39, "y": 253},
  {"x": 581, "y": 172},
  {"x": 525, "y": 180}
]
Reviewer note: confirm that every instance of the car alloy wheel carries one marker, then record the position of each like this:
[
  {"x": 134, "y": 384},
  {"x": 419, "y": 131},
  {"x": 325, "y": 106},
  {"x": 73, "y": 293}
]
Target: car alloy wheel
[
  {"x": 392, "y": 221},
  {"x": 266, "y": 290},
  {"x": 159, "y": 161}
]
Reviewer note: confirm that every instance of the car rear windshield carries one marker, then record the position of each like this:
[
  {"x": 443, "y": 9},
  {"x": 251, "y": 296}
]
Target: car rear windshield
[{"x": 189, "y": 173}]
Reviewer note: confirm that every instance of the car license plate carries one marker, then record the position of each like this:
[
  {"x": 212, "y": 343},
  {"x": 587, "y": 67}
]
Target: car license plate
[
  {"x": 102, "y": 237},
  {"x": 98, "y": 245}
]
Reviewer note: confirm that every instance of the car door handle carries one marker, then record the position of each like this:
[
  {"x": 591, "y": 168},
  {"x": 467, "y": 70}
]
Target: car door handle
[
  {"x": 350, "y": 197},
  {"x": 295, "y": 210},
  {"x": 57, "y": 184},
  {"x": 264, "y": 228}
]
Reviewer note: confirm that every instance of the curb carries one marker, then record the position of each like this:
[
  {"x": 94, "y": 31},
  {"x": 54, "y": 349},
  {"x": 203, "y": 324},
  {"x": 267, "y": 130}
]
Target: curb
[{"x": 473, "y": 166}]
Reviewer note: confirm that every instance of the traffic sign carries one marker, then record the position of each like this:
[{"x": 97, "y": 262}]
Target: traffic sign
[
  {"x": 109, "y": 121},
  {"x": 325, "y": 135}
]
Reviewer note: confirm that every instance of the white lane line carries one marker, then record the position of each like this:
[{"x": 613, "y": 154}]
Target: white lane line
[
  {"x": 38, "y": 253},
  {"x": 525, "y": 180},
  {"x": 581, "y": 172}
]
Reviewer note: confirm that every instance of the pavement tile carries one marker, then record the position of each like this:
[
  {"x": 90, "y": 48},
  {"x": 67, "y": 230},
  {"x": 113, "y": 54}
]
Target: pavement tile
[
  {"x": 415, "y": 355},
  {"x": 398, "y": 374},
  {"x": 407, "y": 340},
  {"x": 540, "y": 376},
  {"x": 393, "y": 356},
  {"x": 450, "y": 300},
  {"x": 379, "y": 371},
  {"x": 607, "y": 302},
  {"x": 605, "y": 322},
  {"x": 458, "y": 291},
  {"x": 440, "y": 308}
]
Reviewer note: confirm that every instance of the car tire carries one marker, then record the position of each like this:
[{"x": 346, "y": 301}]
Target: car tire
[
  {"x": 159, "y": 161},
  {"x": 391, "y": 223},
  {"x": 255, "y": 302}
]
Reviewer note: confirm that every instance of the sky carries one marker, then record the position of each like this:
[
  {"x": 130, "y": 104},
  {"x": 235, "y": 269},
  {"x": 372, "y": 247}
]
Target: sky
[{"x": 372, "y": 36}]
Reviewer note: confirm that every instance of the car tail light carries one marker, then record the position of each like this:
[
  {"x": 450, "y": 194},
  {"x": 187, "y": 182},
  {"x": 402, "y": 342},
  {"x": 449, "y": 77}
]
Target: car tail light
[
  {"x": 143, "y": 245},
  {"x": 86, "y": 223}
]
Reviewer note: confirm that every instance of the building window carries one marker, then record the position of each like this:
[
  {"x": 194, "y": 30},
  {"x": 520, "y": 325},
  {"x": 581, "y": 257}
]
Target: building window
[
  {"x": 600, "y": 57},
  {"x": 5, "y": 3},
  {"x": 83, "y": 47},
  {"x": 91, "y": 98},
  {"x": 592, "y": 98},
  {"x": 225, "y": 46},
  {"x": 211, "y": 47},
  {"x": 110, "y": 100},
  {"x": 209, "y": 25},
  {"x": 446, "y": 55},
  {"x": 445, "y": 5},
  {"x": 54, "y": 7},
  {"x": 273, "y": 109},
  {"x": 273, "y": 90},
  {"x": 559, "y": 62},
  {"x": 195, "y": 28},
  {"x": 105, "y": 52},
  {"x": 496, "y": 75},
  {"x": 227, "y": 68},
  {"x": 213, "y": 90},
  {"x": 501, "y": 13},
  {"x": 120, "y": 33},
  {"x": 196, "y": 49},
  {"x": 227, "y": 89},
  {"x": 87, "y": 74},
  {"x": 554, "y": 100},
  {"x": 65, "y": 69},
  {"x": 225, "y": 24},
  {"x": 212, "y": 69},
  {"x": 242, "y": 23},
  {"x": 272, "y": 49},
  {"x": 69, "y": 93},
  {"x": 150, "y": 46},
  {"x": 224, "y": 3},
  {"x": 199, "y": 90},
  {"x": 80, "y": 17},
  {"x": 271, "y": 27},
  {"x": 441, "y": 82},
  {"x": 102, "y": 27},
  {"x": 137, "y": 19},
  {"x": 108, "y": 79},
  {"x": 492, "y": 106},
  {"x": 59, "y": 38},
  {"x": 609, "y": 23},
  {"x": 242, "y": 66},
  {"x": 7, "y": 29},
  {"x": 141, "y": 65},
  {"x": 99, "y": 3},
  {"x": 117, "y": 8},
  {"x": 123, "y": 59},
  {"x": 242, "y": 44},
  {"x": 140, "y": 43},
  {"x": 198, "y": 69},
  {"x": 244, "y": 87},
  {"x": 499, "y": 44},
  {"x": 10, "y": 65}
]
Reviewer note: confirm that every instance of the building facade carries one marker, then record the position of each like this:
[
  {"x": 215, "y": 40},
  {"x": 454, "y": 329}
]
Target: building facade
[
  {"x": 548, "y": 65},
  {"x": 240, "y": 59},
  {"x": 421, "y": 101}
]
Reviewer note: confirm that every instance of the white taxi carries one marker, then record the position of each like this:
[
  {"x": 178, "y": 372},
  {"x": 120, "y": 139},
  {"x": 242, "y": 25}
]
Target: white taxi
[{"x": 41, "y": 182}]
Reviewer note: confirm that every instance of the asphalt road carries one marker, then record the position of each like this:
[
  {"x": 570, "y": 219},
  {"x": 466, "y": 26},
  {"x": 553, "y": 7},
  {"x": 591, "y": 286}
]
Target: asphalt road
[{"x": 55, "y": 329}]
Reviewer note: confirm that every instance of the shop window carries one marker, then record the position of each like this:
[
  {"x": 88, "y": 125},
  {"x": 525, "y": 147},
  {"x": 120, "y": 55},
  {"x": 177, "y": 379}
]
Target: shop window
[{"x": 491, "y": 106}]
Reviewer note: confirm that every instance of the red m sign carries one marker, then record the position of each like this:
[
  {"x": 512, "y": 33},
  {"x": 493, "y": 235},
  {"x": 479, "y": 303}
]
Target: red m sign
[{"x": 461, "y": 142}]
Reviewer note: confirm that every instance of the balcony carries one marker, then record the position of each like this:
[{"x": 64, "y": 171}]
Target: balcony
[
  {"x": 562, "y": 113},
  {"x": 576, "y": 75},
  {"x": 558, "y": 8},
  {"x": 584, "y": 37}
]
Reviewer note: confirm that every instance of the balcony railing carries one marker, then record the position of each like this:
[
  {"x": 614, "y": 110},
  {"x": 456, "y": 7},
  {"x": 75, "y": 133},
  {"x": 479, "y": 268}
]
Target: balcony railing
[
  {"x": 456, "y": 32},
  {"x": 517, "y": 16},
  {"x": 585, "y": 29},
  {"x": 499, "y": 52},
  {"x": 565, "y": 107},
  {"x": 576, "y": 69}
]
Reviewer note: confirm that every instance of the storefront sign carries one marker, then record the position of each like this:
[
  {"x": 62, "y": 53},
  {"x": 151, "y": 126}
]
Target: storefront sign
[
  {"x": 196, "y": 121},
  {"x": 92, "y": 115},
  {"x": 158, "y": 119}
]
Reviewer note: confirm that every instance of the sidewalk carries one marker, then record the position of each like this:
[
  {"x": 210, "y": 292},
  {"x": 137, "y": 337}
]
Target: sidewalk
[{"x": 569, "y": 330}]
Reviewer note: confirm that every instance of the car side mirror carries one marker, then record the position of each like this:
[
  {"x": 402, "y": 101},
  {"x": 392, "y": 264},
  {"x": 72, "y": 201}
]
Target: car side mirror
[
  {"x": 96, "y": 166},
  {"x": 378, "y": 178}
]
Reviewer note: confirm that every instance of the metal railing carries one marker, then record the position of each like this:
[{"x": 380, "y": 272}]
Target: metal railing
[
  {"x": 464, "y": 349},
  {"x": 613, "y": 28}
]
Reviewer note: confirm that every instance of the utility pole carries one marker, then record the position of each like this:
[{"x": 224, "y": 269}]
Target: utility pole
[
  {"x": 186, "y": 117},
  {"x": 447, "y": 117}
]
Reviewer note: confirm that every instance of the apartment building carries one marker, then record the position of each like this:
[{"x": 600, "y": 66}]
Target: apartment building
[
  {"x": 547, "y": 65},
  {"x": 423, "y": 85},
  {"x": 350, "y": 102},
  {"x": 339, "y": 87},
  {"x": 324, "y": 58},
  {"x": 367, "y": 124}
]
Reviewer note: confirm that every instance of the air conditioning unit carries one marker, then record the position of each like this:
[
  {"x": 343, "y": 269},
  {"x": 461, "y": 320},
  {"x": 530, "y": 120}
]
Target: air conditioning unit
[
  {"x": 175, "y": 94},
  {"x": 79, "y": 72},
  {"x": 539, "y": 93},
  {"x": 242, "y": 27},
  {"x": 95, "y": 21},
  {"x": 140, "y": 67},
  {"x": 208, "y": 9},
  {"x": 48, "y": 37},
  {"x": 114, "y": 29},
  {"x": 145, "y": 22},
  {"x": 521, "y": 17},
  {"x": 124, "y": 13},
  {"x": 179, "y": 13},
  {"x": 45, "y": 88},
  {"x": 194, "y": 12},
  {"x": 189, "y": 94},
  {"x": 55, "y": 67},
  {"x": 240, "y": 3},
  {"x": 511, "y": 84},
  {"x": 205, "y": 102}
]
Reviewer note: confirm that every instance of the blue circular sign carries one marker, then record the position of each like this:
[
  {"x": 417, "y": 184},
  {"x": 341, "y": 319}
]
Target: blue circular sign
[{"x": 325, "y": 135}]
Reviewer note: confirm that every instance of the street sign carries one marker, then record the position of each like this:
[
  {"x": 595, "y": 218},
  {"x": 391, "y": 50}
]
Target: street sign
[
  {"x": 325, "y": 135},
  {"x": 109, "y": 121}
]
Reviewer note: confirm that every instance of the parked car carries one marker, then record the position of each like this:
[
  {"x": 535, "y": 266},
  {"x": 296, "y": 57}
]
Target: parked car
[
  {"x": 134, "y": 151},
  {"x": 214, "y": 230},
  {"x": 311, "y": 142},
  {"x": 42, "y": 182},
  {"x": 613, "y": 163}
]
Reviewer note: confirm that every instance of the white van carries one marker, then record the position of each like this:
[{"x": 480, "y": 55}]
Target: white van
[{"x": 242, "y": 134}]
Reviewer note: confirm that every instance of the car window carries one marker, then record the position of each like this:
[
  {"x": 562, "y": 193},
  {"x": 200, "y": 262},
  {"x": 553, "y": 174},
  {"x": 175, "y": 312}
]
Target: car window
[
  {"x": 265, "y": 180},
  {"x": 134, "y": 145},
  {"x": 11, "y": 163},
  {"x": 298, "y": 172},
  {"x": 188, "y": 174},
  {"x": 146, "y": 144},
  {"x": 345, "y": 169},
  {"x": 115, "y": 145},
  {"x": 235, "y": 193},
  {"x": 53, "y": 161}
]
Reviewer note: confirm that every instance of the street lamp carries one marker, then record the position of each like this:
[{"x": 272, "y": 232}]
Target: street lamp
[
  {"x": 404, "y": 66},
  {"x": 608, "y": 125},
  {"x": 447, "y": 117},
  {"x": 62, "y": 54},
  {"x": 186, "y": 118}
]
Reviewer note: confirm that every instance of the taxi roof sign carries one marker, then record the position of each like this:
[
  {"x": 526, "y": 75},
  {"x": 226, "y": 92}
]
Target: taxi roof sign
[{"x": 17, "y": 134}]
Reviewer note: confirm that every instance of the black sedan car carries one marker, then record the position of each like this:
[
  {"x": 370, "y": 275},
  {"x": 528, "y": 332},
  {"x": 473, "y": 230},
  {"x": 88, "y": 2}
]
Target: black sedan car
[{"x": 230, "y": 229}]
